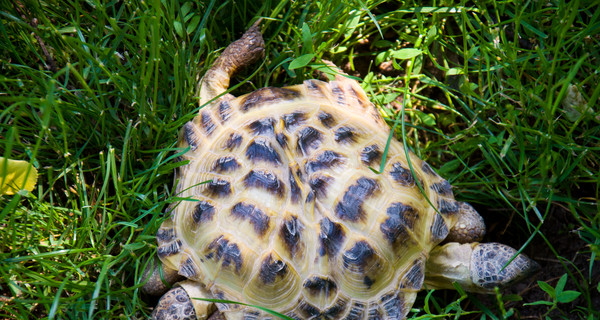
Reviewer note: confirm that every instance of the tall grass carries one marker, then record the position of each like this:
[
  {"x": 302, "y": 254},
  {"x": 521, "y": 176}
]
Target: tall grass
[{"x": 93, "y": 93}]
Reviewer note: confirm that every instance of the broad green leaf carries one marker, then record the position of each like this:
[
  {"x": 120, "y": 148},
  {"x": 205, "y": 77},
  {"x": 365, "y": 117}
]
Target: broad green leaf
[
  {"x": 307, "y": 39},
  {"x": 301, "y": 61},
  {"x": 560, "y": 285},
  {"x": 383, "y": 44},
  {"x": 185, "y": 8},
  {"x": 193, "y": 24},
  {"x": 548, "y": 288},
  {"x": 568, "y": 296},
  {"x": 546, "y": 303},
  {"x": 454, "y": 71},
  {"x": 16, "y": 175},
  {"x": 427, "y": 118},
  {"x": 406, "y": 53},
  {"x": 178, "y": 28}
]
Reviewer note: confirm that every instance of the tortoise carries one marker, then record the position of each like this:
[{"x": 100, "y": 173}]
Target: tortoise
[{"x": 285, "y": 212}]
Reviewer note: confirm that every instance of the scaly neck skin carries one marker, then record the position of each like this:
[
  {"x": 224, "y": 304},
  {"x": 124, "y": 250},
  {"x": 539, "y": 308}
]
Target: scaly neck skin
[
  {"x": 238, "y": 55},
  {"x": 214, "y": 83},
  {"x": 476, "y": 267},
  {"x": 450, "y": 263}
]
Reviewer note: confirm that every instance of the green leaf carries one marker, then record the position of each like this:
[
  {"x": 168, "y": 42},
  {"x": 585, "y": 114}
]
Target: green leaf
[
  {"x": 307, "y": 39},
  {"x": 16, "y": 175},
  {"x": 537, "y": 303},
  {"x": 389, "y": 97},
  {"x": 512, "y": 297},
  {"x": 193, "y": 24},
  {"x": 301, "y": 61},
  {"x": 560, "y": 285},
  {"x": 382, "y": 57},
  {"x": 383, "y": 44},
  {"x": 427, "y": 118},
  {"x": 406, "y": 53},
  {"x": 568, "y": 296},
  {"x": 454, "y": 71},
  {"x": 185, "y": 8},
  {"x": 178, "y": 28},
  {"x": 548, "y": 288}
]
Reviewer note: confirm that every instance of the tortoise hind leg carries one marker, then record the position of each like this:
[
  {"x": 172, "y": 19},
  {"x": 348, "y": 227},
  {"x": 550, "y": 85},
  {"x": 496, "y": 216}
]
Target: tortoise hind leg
[
  {"x": 178, "y": 303},
  {"x": 155, "y": 278},
  {"x": 238, "y": 55}
]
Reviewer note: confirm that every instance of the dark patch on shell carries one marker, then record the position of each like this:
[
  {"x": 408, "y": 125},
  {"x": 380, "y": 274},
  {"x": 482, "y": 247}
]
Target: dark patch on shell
[
  {"x": 308, "y": 310},
  {"x": 324, "y": 160},
  {"x": 368, "y": 282},
  {"x": 224, "y": 110},
  {"x": 294, "y": 119},
  {"x": 428, "y": 170},
  {"x": 331, "y": 237},
  {"x": 270, "y": 269},
  {"x": 443, "y": 188},
  {"x": 226, "y": 164},
  {"x": 267, "y": 95},
  {"x": 370, "y": 154},
  {"x": 400, "y": 217},
  {"x": 229, "y": 252},
  {"x": 260, "y": 149},
  {"x": 189, "y": 134},
  {"x": 169, "y": 249},
  {"x": 326, "y": 119},
  {"x": 310, "y": 197},
  {"x": 439, "y": 229},
  {"x": 393, "y": 306},
  {"x": 336, "y": 310},
  {"x": 358, "y": 257},
  {"x": 207, "y": 123},
  {"x": 233, "y": 141},
  {"x": 165, "y": 235},
  {"x": 319, "y": 185},
  {"x": 309, "y": 139},
  {"x": 203, "y": 212},
  {"x": 448, "y": 207},
  {"x": 402, "y": 175},
  {"x": 295, "y": 192},
  {"x": 250, "y": 315},
  {"x": 258, "y": 219},
  {"x": 338, "y": 93},
  {"x": 262, "y": 126},
  {"x": 265, "y": 180},
  {"x": 317, "y": 285},
  {"x": 291, "y": 234},
  {"x": 282, "y": 139},
  {"x": 219, "y": 188},
  {"x": 374, "y": 312},
  {"x": 315, "y": 87},
  {"x": 345, "y": 134},
  {"x": 357, "y": 310},
  {"x": 350, "y": 207},
  {"x": 188, "y": 268},
  {"x": 356, "y": 95},
  {"x": 413, "y": 279}
]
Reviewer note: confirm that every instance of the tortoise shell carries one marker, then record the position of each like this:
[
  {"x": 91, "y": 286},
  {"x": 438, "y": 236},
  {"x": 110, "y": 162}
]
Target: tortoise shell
[{"x": 285, "y": 208}]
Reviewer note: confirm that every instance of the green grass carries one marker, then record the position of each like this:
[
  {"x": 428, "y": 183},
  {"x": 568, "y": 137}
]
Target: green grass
[{"x": 93, "y": 94}]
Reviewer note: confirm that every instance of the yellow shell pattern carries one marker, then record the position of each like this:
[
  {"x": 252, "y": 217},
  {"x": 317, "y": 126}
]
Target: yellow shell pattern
[{"x": 285, "y": 211}]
